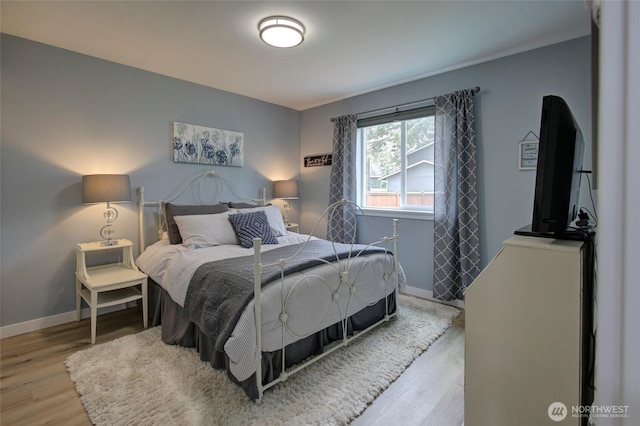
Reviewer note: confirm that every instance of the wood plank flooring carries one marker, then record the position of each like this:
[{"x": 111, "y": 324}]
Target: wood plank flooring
[
  {"x": 429, "y": 392},
  {"x": 35, "y": 388}
]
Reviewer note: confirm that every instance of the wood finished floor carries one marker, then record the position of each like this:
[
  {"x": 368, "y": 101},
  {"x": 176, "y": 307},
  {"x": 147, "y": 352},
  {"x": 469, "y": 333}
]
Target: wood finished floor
[{"x": 35, "y": 388}]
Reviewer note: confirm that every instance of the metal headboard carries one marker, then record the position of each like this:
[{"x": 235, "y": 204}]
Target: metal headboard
[{"x": 198, "y": 181}]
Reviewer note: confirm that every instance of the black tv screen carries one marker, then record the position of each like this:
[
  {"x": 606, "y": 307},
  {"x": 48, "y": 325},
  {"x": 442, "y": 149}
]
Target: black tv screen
[{"x": 560, "y": 152}]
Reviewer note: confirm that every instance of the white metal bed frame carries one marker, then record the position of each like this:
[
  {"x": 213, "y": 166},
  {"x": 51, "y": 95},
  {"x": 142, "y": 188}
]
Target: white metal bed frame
[
  {"x": 198, "y": 180},
  {"x": 342, "y": 267}
]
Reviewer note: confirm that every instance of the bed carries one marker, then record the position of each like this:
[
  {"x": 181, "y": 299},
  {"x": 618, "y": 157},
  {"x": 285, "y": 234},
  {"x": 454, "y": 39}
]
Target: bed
[{"x": 252, "y": 297}]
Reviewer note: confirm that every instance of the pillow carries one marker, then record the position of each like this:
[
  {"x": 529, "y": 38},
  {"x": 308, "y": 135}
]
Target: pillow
[
  {"x": 171, "y": 210},
  {"x": 241, "y": 205},
  {"x": 273, "y": 216},
  {"x": 206, "y": 230},
  {"x": 252, "y": 225}
]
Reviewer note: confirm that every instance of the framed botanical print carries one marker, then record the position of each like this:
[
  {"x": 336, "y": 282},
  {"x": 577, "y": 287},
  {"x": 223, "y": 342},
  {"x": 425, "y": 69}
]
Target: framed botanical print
[{"x": 206, "y": 145}]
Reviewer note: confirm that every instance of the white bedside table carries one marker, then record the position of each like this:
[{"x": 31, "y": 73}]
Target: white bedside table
[
  {"x": 108, "y": 284},
  {"x": 293, "y": 227}
]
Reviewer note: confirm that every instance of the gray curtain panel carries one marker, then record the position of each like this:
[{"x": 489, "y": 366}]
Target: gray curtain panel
[
  {"x": 456, "y": 243},
  {"x": 342, "y": 220}
]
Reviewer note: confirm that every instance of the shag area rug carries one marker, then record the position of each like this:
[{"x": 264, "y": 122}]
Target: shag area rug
[{"x": 139, "y": 380}]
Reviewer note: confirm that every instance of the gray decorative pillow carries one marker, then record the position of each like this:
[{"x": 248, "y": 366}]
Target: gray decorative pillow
[
  {"x": 172, "y": 210},
  {"x": 252, "y": 225}
]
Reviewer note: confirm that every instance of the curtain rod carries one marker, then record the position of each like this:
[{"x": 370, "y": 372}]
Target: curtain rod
[{"x": 475, "y": 90}]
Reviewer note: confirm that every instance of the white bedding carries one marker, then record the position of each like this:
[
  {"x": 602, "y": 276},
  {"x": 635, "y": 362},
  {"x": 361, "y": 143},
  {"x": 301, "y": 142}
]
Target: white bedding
[{"x": 310, "y": 302}]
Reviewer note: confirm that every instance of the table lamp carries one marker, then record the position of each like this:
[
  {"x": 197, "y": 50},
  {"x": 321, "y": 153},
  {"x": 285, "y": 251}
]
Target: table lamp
[
  {"x": 286, "y": 190},
  {"x": 106, "y": 189}
]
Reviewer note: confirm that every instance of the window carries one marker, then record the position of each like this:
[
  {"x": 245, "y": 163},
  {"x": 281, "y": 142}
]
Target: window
[{"x": 395, "y": 167}]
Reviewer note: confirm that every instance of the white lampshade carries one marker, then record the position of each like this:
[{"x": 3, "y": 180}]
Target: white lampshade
[
  {"x": 286, "y": 189},
  {"x": 281, "y": 31}
]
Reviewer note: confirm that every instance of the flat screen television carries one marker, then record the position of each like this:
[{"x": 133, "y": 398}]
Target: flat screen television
[{"x": 558, "y": 172}]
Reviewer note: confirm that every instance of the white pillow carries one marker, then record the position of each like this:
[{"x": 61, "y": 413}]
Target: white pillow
[
  {"x": 206, "y": 230},
  {"x": 273, "y": 216}
]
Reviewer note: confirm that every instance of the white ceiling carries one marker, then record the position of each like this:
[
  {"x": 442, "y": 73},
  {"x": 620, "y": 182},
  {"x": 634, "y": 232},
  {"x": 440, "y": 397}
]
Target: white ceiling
[{"x": 350, "y": 47}]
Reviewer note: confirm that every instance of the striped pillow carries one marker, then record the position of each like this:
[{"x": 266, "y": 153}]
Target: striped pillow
[{"x": 248, "y": 226}]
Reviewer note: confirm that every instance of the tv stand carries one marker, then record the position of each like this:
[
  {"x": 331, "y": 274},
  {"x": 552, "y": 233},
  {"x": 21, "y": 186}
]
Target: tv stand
[
  {"x": 571, "y": 234},
  {"x": 529, "y": 338}
]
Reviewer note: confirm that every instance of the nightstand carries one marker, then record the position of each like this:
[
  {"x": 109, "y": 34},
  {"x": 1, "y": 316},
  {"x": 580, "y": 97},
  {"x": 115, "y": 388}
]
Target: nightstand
[
  {"x": 108, "y": 284},
  {"x": 293, "y": 227}
]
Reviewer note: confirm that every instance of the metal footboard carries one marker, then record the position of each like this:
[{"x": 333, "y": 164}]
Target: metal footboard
[{"x": 348, "y": 279}]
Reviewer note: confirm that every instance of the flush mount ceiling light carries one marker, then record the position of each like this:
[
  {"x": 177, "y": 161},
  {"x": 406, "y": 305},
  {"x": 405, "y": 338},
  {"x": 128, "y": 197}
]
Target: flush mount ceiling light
[{"x": 281, "y": 31}]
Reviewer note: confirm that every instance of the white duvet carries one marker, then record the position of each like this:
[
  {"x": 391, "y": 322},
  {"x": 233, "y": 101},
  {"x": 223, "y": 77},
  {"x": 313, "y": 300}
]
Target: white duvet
[{"x": 313, "y": 299}]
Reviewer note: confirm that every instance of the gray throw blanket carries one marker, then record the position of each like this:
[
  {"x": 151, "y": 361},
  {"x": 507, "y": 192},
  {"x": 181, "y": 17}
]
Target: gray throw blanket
[{"x": 220, "y": 290}]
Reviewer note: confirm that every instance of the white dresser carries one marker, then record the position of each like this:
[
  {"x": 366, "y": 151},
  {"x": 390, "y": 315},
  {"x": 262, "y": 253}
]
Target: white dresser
[{"x": 528, "y": 334}]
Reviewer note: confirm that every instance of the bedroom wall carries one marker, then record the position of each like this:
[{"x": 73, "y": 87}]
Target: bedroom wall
[
  {"x": 65, "y": 115},
  {"x": 507, "y": 108}
]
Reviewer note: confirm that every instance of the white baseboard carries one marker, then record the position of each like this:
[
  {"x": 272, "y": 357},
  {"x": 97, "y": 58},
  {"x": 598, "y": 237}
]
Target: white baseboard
[
  {"x": 428, "y": 294},
  {"x": 40, "y": 323}
]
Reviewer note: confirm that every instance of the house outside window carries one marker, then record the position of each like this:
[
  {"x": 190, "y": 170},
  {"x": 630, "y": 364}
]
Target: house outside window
[{"x": 395, "y": 170}]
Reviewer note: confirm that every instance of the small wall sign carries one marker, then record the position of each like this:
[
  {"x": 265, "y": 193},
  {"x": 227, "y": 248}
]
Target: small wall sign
[
  {"x": 318, "y": 160},
  {"x": 528, "y": 158}
]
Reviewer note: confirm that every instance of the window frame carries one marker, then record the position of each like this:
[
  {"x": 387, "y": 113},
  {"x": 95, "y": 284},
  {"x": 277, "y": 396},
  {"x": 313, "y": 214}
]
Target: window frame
[{"x": 402, "y": 114}]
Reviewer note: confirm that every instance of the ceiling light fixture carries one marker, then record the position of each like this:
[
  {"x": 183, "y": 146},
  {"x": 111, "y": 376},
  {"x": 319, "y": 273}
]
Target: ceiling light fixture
[{"x": 281, "y": 31}]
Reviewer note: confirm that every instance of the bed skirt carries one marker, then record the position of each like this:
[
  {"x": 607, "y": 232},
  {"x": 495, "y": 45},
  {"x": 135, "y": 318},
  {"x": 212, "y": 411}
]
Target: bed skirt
[{"x": 176, "y": 330}]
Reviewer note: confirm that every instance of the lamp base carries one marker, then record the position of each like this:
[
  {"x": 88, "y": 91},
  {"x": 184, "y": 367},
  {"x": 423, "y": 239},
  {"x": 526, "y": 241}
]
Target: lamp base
[
  {"x": 107, "y": 232},
  {"x": 285, "y": 215}
]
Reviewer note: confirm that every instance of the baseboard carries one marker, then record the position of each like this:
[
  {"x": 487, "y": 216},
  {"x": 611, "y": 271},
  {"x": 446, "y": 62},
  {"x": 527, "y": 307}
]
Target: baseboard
[
  {"x": 428, "y": 294},
  {"x": 46, "y": 322}
]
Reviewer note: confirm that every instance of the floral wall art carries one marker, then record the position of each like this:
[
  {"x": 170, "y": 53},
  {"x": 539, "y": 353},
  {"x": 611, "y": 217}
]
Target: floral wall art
[{"x": 205, "y": 145}]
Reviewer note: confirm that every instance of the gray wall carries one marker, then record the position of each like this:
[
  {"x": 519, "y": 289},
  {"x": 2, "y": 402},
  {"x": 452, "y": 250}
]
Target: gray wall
[
  {"x": 64, "y": 115},
  {"x": 507, "y": 108}
]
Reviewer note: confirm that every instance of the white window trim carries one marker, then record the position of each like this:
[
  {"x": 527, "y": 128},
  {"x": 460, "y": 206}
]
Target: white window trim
[
  {"x": 397, "y": 213},
  {"x": 406, "y": 212}
]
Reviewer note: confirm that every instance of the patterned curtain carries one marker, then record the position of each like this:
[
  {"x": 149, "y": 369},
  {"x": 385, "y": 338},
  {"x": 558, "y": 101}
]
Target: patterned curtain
[
  {"x": 342, "y": 221},
  {"x": 456, "y": 243}
]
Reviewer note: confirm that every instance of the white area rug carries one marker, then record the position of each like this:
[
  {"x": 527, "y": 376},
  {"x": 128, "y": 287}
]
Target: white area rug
[{"x": 140, "y": 380}]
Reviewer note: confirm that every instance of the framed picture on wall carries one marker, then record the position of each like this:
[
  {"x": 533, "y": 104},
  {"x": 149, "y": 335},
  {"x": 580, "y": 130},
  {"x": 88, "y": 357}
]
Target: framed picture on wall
[
  {"x": 528, "y": 155},
  {"x": 206, "y": 145}
]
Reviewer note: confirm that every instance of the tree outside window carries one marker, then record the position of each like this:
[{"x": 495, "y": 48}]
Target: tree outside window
[{"x": 397, "y": 164}]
